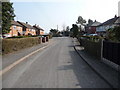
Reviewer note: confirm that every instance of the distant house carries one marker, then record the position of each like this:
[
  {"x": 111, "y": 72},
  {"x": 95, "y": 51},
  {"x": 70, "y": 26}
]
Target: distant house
[
  {"x": 39, "y": 30},
  {"x": 111, "y": 23},
  {"x": 15, "y": 30},
  {"x": 27, "y": 28},
  {"x": 91, "y": 28}
]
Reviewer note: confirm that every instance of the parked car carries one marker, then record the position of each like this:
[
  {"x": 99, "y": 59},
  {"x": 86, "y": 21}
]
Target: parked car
[{"x": 93, "y": 35}]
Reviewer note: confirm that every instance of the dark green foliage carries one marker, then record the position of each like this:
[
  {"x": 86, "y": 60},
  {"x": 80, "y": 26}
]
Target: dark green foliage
[
  {"x": 81, "y": 20},
  {"x": 74, "y": 30},
  {"x": 7, "y": 16},
  {"x": 11, "y": 45},
  {"x": 54, "y": 33},
  {"x": 117, "y": 33},
  {"x": 114, "y": 34},
  {"x": 23, "y": 36},
  {"x": 91, "y": 47}
]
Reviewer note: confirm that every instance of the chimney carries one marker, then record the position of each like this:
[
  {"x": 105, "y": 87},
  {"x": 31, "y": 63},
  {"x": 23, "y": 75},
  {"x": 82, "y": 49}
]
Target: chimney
[
  {"x": 115, "y": 16},
  {"x": 119, "y": 8},
  {"x": 26, "y": 22}
]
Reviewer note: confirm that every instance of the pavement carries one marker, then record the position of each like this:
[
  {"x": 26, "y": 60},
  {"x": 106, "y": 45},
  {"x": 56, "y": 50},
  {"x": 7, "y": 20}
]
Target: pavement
[
  {"x": 107, "y": 73},
  {"x": 10, "y": 58},
  {"x": 57, "y": 66}
]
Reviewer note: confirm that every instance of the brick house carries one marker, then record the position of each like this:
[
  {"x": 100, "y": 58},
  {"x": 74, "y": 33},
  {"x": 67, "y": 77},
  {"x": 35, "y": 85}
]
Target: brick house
[
  {"x": 39, "y": 30},
  {"x": 91, "y": 29},
  {"x": 15, "y": 30},
  {"x": 27, "y": 28}
]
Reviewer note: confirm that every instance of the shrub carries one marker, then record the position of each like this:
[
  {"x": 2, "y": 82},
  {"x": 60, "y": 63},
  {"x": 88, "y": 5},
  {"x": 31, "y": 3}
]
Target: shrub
[
  {"x": 10, "y": 45},
  {"x": 93, "y": 48},
  {"x": 114, "y": 34}
]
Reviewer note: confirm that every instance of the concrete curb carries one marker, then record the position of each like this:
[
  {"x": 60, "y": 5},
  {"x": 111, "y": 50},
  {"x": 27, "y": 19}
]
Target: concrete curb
[
  {"x": 92, "y": 67},
  {"x": 6, "y": 69}
]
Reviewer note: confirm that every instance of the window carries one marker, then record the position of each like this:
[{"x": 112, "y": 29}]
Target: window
[{"x": 14, "y": 27}]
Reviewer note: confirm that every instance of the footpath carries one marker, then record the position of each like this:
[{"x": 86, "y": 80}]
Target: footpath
[
  {"x": 110, "y": 75},
  {"x": 12, "y": 57}
]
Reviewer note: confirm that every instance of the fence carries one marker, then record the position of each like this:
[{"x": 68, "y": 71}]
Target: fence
[{"x": 111, "y": 52}]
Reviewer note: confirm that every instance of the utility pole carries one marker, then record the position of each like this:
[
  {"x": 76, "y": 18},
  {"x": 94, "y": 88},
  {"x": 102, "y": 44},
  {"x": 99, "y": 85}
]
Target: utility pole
[{"x": 57, "y": 27}]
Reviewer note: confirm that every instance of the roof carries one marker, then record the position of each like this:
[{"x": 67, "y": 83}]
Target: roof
[
  {"x": 15, "y": 23},
  {"x": 37, "y": 27},
  {"x": 25, "y": 24},
  {"x": 95, "y": 24},
  {"x": 110, "y": 21},
  {"x": 118, "y": 20}
]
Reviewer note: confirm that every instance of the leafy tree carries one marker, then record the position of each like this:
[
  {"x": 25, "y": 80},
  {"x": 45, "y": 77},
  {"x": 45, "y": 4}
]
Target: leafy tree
[
  {"x": 67, "y": 28},
  {"x": 74, "y": 30},
  {"x": 117, "y": 33},
  {"x": 7, "y": 16},
  {"x": 81, "y": 21},
  {"x": 54, "y": 32},
  {"x": 90, "y": 22},
  {"x": 82, "y": 24},
  {"x": 0, "y": 17},
  {"x": 114, "y": 34}
]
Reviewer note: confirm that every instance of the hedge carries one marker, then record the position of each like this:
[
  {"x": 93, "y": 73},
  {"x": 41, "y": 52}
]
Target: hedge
[
  {"x": 10, "y": 45},
  {"x": 93, "y": 48}
]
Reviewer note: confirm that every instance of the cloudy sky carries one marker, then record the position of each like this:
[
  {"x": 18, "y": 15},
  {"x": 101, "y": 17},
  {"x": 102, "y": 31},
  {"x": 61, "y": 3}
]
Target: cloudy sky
[{"x": 50, "y": 13}]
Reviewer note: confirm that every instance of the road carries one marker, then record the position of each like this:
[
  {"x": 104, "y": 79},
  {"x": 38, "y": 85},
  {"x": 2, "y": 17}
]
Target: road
[{"x": 57, "y": 66}]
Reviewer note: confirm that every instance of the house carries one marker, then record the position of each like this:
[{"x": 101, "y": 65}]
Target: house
[
  {"x": 27, "y": 28},
  {"x": 15, "y": 30},
  {"x": 111, "y": 23},
  {"x": 39, "y": 30},
  {"x": 91, "y": 28}
]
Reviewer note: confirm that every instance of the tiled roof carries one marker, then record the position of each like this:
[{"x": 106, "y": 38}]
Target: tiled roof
[
  {"x": 15, "y": 23},
  {"x": 96, "y": 23},
  {"x": 110, "y": 21},
  {"x": 37, "y": 27},
  {"x": 117, "y": 21},
  {"x": 26, "y": 25}
]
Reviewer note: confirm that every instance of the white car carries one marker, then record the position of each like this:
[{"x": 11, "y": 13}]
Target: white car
[{"x": 93, "y": 35}]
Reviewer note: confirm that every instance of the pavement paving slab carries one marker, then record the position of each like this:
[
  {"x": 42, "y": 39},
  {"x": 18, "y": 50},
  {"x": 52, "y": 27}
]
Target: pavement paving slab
[{"x": 106, "y": 72}]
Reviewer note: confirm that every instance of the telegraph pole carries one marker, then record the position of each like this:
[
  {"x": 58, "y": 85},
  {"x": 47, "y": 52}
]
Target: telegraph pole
[{"x": 57, "y": 27}]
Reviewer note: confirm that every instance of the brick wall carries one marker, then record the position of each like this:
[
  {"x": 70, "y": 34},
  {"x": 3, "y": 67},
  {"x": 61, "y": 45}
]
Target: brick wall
[{"x": 15, "y": 31}]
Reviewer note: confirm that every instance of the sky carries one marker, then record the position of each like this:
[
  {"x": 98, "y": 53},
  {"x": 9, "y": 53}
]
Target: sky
[{"x": 50, "y": 13}]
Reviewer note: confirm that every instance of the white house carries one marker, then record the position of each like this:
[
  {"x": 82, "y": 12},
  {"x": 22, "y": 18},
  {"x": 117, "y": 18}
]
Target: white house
[{"x": 111, "y": 23}]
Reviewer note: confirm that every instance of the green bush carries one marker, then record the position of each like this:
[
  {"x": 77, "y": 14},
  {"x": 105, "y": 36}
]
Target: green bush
[
  {"x": 22, "y": 36},
  {"x": 10, "y": 45},
  {"x": 114, "y": 34},
  {"x": 92, "y": 47}
]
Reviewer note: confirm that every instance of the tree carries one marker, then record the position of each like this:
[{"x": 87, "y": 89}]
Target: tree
[
  {"x": 0, "y": 17},
  {"x": 114, "y": 34},
  {"x": 81, "y": 21},
  {"x": 54, "y": 32},
  {"x": 67, "y": 28},
  {"x": 90, "y": 22},
  {"x": 74, "y": 30},
  {"x": 7, "y": 16},
  {"x": 66, "y": 32}
]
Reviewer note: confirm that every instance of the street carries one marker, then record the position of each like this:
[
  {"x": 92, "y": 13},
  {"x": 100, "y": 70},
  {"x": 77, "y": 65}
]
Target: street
[{"x": 57, "y": 66}]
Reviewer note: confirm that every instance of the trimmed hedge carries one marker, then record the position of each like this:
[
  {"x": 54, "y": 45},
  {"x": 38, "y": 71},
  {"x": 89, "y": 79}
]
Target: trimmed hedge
[
  {"x": 10, "y": 45},
  {"x": 93, "y": 48}
]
